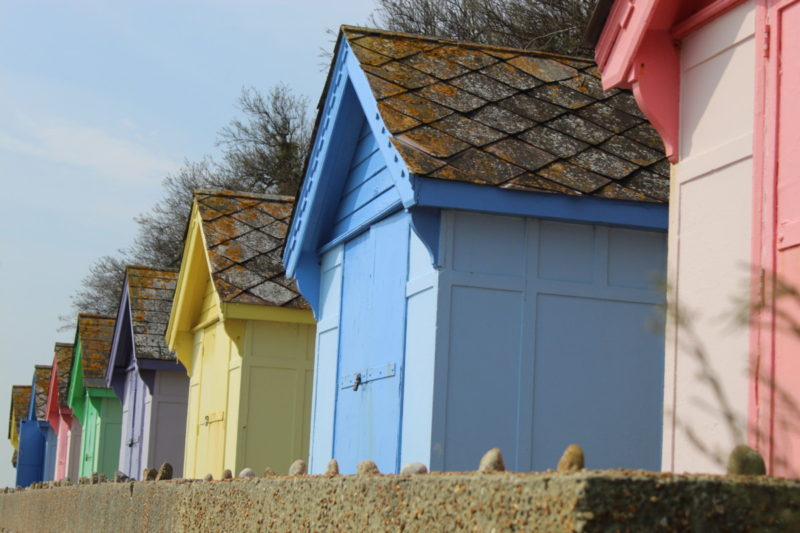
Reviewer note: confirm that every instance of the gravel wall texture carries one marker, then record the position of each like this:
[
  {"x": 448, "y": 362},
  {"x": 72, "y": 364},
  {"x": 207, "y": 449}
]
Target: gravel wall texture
[{"x": 585, "y": 501}]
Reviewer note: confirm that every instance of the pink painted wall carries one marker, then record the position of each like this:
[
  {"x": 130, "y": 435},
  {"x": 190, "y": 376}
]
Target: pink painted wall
[
  {"x": 62, "y": 447},
  {"x": 776, "y": 343},
  {"x": 710, "y": 245},
  {"x": 73, "y": 450}
]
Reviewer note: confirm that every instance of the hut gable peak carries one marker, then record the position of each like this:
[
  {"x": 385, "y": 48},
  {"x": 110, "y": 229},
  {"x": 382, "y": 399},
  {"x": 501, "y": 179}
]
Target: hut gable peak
[
  {"x": 94, "y": 337},
  {"x": 63, "y": 366},
  {"x": 244, "y": 234},
  {"x": 41, "y": 382},
  {"x": 149, "y": 294},
  {"x": 509, "y": 118},
  {"x": 20, "y": 400}
]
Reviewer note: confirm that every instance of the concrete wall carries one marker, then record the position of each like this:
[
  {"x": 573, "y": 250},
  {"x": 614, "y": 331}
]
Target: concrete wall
[
  {"x": 585, "y": 502},
  {"x": 709, "y": 241}
]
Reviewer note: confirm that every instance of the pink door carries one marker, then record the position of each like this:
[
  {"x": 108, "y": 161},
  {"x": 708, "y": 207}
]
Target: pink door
[{"x": 777, "y": 409}]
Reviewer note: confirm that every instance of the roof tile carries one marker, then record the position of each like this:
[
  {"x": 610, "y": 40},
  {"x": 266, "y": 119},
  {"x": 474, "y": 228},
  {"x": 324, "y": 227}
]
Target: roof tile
[
  {"x": 580, "y": 128},
  {"x": 432, "y": 141},
  {"x": 487, "y": 88},
  {"x": 553, "y": 141},
  {"x": 468, "y": 57},
  {"x": 532, "y": 108},
  {"x": 417, "y": 107},
  {"x": 417, "y": 161},
  {"x": 468, "y": 130},
  {"x": 510, "y": 75},
  {"x": 603, "y": 163},
  {"x": 501, "y": 119},
  {"x": 396, "y": 121},
  {"x": 452, "y": 97},
  {"x": 573, "y": 177},
  {"x": 521, "y": 154},
  {"x": 543, "y": 68},
  {"x": 398, "y": 73},
  {"x": 484, "y": 166},
  {"x": 612, "y": 119},
  {"x": 438, "y": 67},
  {"x": 382, "y": 88},
  {"x": 563, "y": 96},
  {"x": 367, "y": 56}
]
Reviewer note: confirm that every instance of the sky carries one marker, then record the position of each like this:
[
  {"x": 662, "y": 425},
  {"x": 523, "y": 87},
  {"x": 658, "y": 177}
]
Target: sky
[{"x": 99, "y": 101}]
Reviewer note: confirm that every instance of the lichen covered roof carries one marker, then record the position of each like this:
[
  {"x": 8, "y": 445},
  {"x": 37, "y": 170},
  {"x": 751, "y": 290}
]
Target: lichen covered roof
[
  {"x": 509, "y": 118},
  {"x": 95, "y": 333},
  {"x": 63, "y": 358},
  {"x": 150, "y": 294},
  {"x": 244, "y": 236},
  {"x": 20, "y": 400},
  {"x": 41, "y": 379}
]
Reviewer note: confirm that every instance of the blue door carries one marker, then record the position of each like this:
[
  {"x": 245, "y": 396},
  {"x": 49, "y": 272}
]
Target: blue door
[
  {"x": 371, "y": 344},
  {"x": 30, "y": 460}
]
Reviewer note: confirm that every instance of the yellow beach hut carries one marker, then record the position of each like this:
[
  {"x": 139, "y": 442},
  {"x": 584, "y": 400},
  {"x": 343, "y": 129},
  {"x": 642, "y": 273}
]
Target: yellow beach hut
[{"x": 245, "y": 336}]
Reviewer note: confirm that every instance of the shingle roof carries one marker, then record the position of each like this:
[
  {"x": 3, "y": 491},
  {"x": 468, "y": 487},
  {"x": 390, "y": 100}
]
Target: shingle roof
[
  {"x": 41, "y": 378},
  {"x": 510, "y": 118},
  {"x": 244, "y": 235},
  {"x": 150, "y": 294},
  {"x": 95, "y": 333},
  {"x": 20, "y": 400},
  {"x": 63, "y": 353}
]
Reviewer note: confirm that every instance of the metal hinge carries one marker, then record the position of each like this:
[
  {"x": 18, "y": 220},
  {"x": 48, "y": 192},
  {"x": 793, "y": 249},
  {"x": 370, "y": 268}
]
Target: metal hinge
[
  {"x": 353, "y": 381},
  {"x": 765, "y": 44}
]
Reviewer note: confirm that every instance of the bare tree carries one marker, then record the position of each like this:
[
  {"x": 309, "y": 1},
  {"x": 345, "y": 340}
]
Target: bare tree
[
  {"x": 265, "y": 152},
  {"x": 548, "y": 25},
  {"x": 100, "y": 290}
]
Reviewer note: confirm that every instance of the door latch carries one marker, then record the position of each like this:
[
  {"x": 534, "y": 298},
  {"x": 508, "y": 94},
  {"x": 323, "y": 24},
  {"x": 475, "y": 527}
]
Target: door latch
[{"x": 354, "y": 381}]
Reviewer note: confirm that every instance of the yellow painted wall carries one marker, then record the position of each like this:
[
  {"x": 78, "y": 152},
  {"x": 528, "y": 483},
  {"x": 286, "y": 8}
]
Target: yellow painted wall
[
  {"x": 250, "y": 390},
  {"x": 278, "y": 370}
]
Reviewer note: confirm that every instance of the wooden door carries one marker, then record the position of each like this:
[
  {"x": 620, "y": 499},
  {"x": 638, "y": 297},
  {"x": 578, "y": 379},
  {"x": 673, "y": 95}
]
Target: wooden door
[
  {"x": 89, "y": 440},
  {"x": 780, "y": 406},
  {"x": 371, "y": 343},
  {"x": 212, "y": 400}
]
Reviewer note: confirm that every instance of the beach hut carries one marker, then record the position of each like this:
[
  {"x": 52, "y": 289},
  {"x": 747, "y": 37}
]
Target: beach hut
[
  {"x": 146, "y": 376},
  {"x": 718, "y": 80},
  {"x": 35, "y": 432},
  {"x": 245, "y": 336},
  {"x": 59, "y": 415},
  {"x": 20, "y": 400},
  {"x": 94, "y": 405},
  {"x": 479, "y": 234}
]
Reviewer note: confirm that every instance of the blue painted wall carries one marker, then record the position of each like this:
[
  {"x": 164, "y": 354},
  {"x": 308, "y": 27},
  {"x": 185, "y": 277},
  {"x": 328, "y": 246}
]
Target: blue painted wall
[
  {"x": 371, "y": 342},
  {"x": 368, "y": 189},
  {"x": 551, "y": 336},
  {"x": 50, "y": 445},
  {"x": 30, "y": 456}
]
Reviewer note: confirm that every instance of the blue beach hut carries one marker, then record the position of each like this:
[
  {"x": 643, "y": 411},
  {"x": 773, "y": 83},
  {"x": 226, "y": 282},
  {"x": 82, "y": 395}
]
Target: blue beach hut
[
  {"x": 479, "y": 233},
  {"x": 37, "y": 440}
]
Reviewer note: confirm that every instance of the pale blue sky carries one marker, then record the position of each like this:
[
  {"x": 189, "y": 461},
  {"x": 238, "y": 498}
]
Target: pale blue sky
[{"x": 99, "y": 101}]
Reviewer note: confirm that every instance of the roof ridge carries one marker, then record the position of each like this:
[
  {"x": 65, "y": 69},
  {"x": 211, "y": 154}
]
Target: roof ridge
[
  {"x": 43, "y": 366},
  {"x": 243, "y": 194},
  {"x": 463, "y": 44},
  {"x": 64, "y": 344},
  {"x": 144, "y": 267},
  {"x": 94, "y": 315}
]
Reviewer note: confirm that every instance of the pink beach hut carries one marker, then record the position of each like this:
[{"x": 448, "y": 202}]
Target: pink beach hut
[
  {"x": 719, "y": 81},
  {"x": 59, "y": 415}
]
